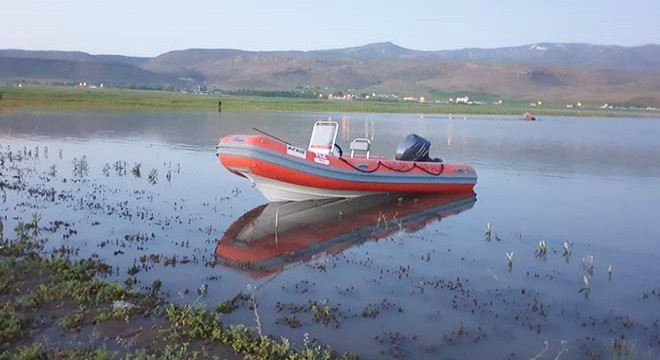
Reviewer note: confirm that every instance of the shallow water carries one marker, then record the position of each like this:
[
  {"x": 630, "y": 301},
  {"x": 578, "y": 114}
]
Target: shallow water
[{"x": 413, "y": 277}]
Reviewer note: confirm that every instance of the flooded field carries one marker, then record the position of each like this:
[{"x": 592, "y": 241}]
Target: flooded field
[{"x": 556, "y": 254}]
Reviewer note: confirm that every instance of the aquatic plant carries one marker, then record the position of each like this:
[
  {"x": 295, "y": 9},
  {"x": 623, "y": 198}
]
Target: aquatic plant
[
  {"x": 120, "y": 167},
  {"x": 586, "y": 287},
  {"x": 35, "y": 351},
  {"x": 34, "y": 224},
  {"x": 153, "y": 177},
  {"x": 567, "y": 251},
  {"x": 194, "y": 322},
  {"x": 588, "y": 264},
  {"x": 80, "y": 167},
  {"x": 12, "y": 323},
  {"x": 73, "y": 321},
  {"x": 202, "y": 291},
  {"x": 229, "y": 306},
  {"x": 542, "y": 249},
  {"x": 371, "y": 311},
  {"x": 489, "y": 231},
  {"x": 322, "y": 265},
  {"x": 509, "y": 258},
  {"x": 322, "y": 312},
  {"x": 136, "y": 170},
  {"x": 621, "y": 349}
]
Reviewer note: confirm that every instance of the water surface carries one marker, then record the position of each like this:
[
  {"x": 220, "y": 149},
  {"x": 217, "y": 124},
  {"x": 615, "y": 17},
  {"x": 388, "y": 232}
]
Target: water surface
[{"x": 414, "y": 277}]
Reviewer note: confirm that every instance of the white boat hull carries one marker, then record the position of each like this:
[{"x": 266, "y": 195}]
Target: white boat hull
[{"x": 275, "y": 190}]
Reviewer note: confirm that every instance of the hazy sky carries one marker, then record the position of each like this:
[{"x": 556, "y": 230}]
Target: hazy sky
[{"x": 150, "y": 27}]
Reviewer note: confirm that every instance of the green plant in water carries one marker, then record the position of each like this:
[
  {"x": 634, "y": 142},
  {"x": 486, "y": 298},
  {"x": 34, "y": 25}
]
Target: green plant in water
[
  {"x": 80, "y": 166},
  {"x": 621, "y": 349},
  {"x": 34, "y": 224},
  {"x": 194, "y": 322},
  {"x": 153, "y": 177},
  {"x": 312, "y": 351},
  {"x": 226, "y": 307},
  {"x": 11, "y": 323},
  {"x": 35, "y": 351},
  {"x": 136, "y": 171},
  {"x": 73, "y": 321},
  {"x": 322, "y": 312}
]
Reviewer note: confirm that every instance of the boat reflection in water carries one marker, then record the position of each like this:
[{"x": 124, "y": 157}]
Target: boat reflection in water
[{"x": 272, "y": 237}]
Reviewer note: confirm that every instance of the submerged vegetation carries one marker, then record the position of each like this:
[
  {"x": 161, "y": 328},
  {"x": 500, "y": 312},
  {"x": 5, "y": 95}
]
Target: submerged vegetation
[
  {"x": 115, "y": 99},
  {"x": 42, "y": 293}
]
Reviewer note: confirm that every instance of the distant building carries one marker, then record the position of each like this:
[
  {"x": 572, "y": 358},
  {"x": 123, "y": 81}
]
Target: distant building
[{"x": 463, "y": 100}]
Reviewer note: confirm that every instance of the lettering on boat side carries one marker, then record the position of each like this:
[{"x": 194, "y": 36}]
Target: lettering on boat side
[
  {"x": 238, "y": 139},
  {"x": 321, "y": 159},
  {"x": 296, "y": 151}
]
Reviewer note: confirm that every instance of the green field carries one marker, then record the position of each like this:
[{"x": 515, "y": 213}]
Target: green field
[{"x": 66, "y": 99}]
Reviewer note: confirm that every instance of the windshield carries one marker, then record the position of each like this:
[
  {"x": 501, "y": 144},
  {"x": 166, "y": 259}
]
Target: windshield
[{"x": 323, "y": 137}]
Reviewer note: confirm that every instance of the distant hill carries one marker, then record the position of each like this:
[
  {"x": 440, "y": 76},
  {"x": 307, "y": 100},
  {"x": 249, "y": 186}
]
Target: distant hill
[
  {"x": 73, "y": 56},
  {"x": 382, "y": 50},
  {"x": 645, "y": 57},
  {"x": 18, "y": 69},
  {"x": 553, "y": 71}
]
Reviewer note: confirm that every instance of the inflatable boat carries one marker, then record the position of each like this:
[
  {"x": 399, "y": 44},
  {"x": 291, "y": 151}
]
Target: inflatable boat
[
  {"x": 274, "y": 237},
  {"x": 285, "y": 172}
]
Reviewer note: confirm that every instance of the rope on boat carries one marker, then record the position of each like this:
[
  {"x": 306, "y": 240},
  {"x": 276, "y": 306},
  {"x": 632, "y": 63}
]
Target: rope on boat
[{"x": 380, "y": 163}]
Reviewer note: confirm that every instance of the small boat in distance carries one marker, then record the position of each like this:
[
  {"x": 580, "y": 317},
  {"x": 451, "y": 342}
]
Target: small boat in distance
[
  {"x": 284, "y": 172},
  {"x": 528, "y": 116}
]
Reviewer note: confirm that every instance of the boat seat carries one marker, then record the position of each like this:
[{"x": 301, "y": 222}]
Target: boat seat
[{"x": 360, "y": 144}]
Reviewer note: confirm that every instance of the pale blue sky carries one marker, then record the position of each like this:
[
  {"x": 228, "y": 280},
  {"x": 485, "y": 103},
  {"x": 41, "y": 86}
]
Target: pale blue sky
[{"x": 150, "y": 27}]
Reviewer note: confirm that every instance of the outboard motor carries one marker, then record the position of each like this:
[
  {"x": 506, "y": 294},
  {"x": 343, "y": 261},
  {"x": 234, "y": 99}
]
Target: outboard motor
[{"x": 414, "y": 148}]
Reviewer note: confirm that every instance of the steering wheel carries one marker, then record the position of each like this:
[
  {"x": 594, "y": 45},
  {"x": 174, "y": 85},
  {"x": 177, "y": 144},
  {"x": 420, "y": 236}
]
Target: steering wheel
[{"x": 341, "y": 152}]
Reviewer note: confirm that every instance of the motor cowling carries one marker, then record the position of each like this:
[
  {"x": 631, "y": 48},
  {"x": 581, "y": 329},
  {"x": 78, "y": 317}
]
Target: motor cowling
[{"x": 414, "y": 148}]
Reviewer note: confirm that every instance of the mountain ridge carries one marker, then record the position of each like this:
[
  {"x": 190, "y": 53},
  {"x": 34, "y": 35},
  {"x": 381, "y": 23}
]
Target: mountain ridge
[{"x": 551, "y": 70}]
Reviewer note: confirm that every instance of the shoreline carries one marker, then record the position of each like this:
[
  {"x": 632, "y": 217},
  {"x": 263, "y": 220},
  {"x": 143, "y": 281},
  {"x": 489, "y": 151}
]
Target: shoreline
[{"x": 58, "y": 99}]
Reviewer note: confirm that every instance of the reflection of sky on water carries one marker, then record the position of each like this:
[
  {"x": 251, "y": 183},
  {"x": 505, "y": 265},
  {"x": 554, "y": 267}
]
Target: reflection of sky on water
[{"x": 593, "y": 182}]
